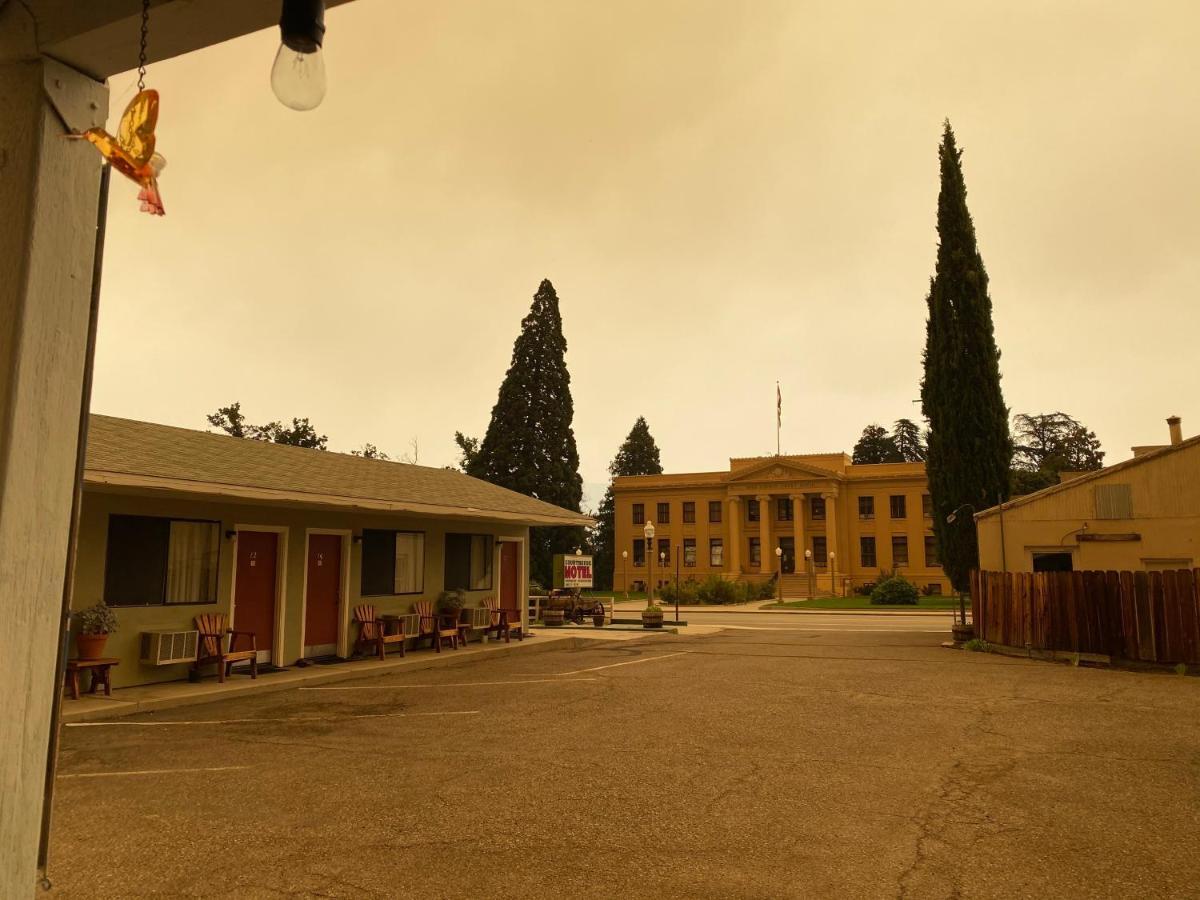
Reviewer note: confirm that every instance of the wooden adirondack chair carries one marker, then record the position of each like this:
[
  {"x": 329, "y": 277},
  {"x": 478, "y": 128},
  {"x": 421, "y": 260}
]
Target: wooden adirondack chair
[
  {"x": 504, "y": 621},
  {"x": 373, "y": 632},
  {"x": 212, "y": 646},
  {"x": 436, "y": 628}
]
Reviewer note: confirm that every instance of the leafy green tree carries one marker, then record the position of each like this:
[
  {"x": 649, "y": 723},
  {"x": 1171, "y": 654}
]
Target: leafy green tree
[
  {"x": 1048, "y": 444},
  {"x": 299, "y": 434},
  {"x": 369, "y": 451},
  {"x": 230, "y": 420},
  {"x": 906, "y": 435},
  {"x": 969, "y": 450},
  {"x": 529, "y": 446},
  {"x": 876, "y": 446},
  {"x": 638, "y": 455}
]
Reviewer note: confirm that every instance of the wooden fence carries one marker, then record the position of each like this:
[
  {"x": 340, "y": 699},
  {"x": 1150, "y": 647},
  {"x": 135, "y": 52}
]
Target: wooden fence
[{"x": 1142, "y": 616}]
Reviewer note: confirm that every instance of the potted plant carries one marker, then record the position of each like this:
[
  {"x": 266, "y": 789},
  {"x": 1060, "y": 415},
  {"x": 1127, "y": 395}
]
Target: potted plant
[
  {"x": 450, "y": 603},
  {"x": 554, "y": 612},
  {"x": 652, "y": 616},
  {"x": 95, "y": 624},
  {"x": 598, "y": 617}
]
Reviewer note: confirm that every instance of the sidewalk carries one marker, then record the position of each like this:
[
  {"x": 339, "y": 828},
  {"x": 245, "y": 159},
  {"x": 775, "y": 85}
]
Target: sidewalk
[
  {"x": 170, "y": 694},
  {"x": 634, "y": 607}
]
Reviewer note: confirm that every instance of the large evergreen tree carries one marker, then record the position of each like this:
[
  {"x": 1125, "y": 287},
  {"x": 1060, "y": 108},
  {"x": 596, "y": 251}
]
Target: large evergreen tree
[
  {"x": 1049, "y": 444},
  {"x": 969, "y": 448},
  {"x": 906, "y": 435},
  {"x": 875, "y": 445},
  {"x": 638, "y": 455},
  {"x": 529, "y": 446}
]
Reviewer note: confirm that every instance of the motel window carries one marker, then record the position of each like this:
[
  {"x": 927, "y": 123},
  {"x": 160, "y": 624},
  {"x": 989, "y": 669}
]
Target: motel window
[
  {"x": 468, "y": 562},
  {"x": 664, "y": 551},
  {"x": 820, "y": 551},
  {"x": 751, "y": 510},
  {"x": 639, "y": 551},
  {"x": 689, "y": 552},
  {"x": 784, "y": 509},
  {"x": 866, "y": 507},
  {"x": 899, "y": 507},
  {"x": 716, "y": 553},
  {"x": 927, "y": 506},
  {"x": 899, "y": 550},
  {"x": 639, "y": 514},
  {"x": 714, "y": 511},
  {"x": 151, "y": 561},
  {"x": 689, "y": 512},
  {"x": 664, "y": 513},
  {"x": 931, "y": 551},
  {"x": 755, "y": 552},
  {"x": 393, "y": 562},
  {"x": 817, "y": 507},
  {"x": 866, "y": 552}
]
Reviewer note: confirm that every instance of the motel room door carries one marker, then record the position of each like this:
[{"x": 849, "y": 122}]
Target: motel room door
[
  {"x": 254, "y": 595},
  {"x": 510, "y": 575},
  {"x": 323, "y": 595}
]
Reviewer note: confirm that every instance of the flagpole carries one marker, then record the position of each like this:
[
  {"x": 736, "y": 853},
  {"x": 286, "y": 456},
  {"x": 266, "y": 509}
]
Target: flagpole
[{"x": 778, "y": 418}]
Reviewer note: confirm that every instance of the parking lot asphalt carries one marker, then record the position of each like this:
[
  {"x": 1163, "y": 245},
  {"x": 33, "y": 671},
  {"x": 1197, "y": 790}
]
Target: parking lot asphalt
[{"x": 748, "y": 763}]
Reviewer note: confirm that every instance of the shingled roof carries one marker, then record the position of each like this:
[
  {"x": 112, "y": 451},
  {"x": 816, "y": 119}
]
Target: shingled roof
[{"x": 123, "y": 453}]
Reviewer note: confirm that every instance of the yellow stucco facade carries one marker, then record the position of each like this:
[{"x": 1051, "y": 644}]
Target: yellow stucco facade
[
  {"x": 1143, "y": 513},
  {"x": 854, "y": 520}
]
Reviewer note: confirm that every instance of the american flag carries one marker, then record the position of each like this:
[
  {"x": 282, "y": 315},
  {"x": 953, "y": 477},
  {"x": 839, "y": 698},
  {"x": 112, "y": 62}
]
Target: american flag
[{"x": 778, "y": 406}]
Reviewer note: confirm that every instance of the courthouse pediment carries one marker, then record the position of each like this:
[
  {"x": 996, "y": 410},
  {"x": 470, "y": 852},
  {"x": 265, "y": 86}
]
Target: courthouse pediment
[{"x": 780, "y": 470}]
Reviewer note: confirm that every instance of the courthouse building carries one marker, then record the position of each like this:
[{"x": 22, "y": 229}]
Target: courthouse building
[{"x": 834, "y": 522}]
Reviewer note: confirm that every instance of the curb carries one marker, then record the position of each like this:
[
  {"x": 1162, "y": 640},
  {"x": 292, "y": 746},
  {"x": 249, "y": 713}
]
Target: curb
[{"x": 292, "y": 678}]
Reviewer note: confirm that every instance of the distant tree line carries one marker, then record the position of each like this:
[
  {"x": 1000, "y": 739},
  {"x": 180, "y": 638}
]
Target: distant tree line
[{"x": 300, "y": 433}]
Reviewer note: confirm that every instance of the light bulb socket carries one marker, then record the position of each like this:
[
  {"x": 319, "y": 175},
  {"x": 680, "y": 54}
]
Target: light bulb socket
[{"x": 302, "y": 25}]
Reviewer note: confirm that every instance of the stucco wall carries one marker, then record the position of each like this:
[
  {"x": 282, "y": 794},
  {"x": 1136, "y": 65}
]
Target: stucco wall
[
  {"x": 1166, "y": 517},
  {"x": 125, "y": 645}
]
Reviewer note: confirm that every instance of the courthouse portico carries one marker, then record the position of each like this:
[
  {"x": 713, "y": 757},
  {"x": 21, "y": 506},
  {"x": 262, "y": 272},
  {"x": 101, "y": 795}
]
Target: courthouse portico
[{"x": 811, "y": 518}]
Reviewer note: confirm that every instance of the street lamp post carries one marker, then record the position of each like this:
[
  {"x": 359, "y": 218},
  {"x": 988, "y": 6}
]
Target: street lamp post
[
  {"x": 833, "y": 574},
  {"x": 648, "y": 531},
  {"x": 678, "y": 554},
  {"x": 779, "y": 569},
  {"x": 625, "y": 572},
  {"x": 808, "y": 564}
]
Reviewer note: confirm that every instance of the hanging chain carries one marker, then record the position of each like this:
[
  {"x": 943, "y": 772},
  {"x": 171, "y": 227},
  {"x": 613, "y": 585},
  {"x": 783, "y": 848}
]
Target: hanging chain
[{"x": 142, "y": 55}]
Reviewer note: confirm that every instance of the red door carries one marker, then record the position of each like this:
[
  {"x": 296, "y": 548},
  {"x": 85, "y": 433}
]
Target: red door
[
  {"x": 254, "y": 595},
  {"x": 324, "y": 591},
  {"x": 510, "y": 575}
]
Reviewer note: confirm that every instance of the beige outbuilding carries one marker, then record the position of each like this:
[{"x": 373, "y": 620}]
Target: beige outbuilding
[{"x": 1143, "y": 513}]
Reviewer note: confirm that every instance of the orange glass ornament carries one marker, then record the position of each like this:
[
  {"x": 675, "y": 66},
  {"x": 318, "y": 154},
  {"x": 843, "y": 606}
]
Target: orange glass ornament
[{"x": 131, "y": 152}]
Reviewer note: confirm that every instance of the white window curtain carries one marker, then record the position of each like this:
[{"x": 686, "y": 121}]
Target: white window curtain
[
  {"x": 481, "y": 562},
  {"x": 192, "y": 562},
  {"x": 410, "y": 563}
]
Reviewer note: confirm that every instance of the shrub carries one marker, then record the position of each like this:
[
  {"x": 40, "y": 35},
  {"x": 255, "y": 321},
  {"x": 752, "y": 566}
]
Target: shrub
[
  {"x": 716, "y": 590},
  {"x": 895, "y": 591},
  {"x": 865, "y": 590},
  {"x": 96, "y": 619},
  {"x": 536, "y": 589},
  {"x": 976, "y": 645},
  {"x": 686, "y": 592}
]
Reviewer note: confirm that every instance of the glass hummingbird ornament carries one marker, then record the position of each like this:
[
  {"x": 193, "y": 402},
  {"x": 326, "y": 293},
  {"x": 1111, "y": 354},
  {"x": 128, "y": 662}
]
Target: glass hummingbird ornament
[{"x": 131, "y": 151}]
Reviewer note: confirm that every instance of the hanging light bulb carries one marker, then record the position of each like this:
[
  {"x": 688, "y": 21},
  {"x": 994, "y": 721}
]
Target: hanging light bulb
[{"x": 298, "y": 75}]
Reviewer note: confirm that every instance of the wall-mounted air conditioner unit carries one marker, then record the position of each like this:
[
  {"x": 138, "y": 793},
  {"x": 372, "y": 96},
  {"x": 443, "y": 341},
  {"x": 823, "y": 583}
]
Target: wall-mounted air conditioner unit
[{"x": 161, "y": 648}]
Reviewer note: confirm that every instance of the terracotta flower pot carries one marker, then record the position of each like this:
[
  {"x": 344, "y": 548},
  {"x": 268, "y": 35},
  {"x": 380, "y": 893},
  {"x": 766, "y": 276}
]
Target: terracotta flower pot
[
  {"x": 90, "y": 646},
  {"x": 552, "y": 617}
]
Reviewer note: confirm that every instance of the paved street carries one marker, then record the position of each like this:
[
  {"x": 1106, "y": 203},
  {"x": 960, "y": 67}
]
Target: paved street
[{"x": 774, "y": 762}]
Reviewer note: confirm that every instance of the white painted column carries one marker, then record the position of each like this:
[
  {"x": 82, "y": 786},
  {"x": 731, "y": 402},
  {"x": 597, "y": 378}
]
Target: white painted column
[
  {"x": 766, "y": 555},
  {"x": 48, "y": 194},
  {"x": 734, "y": 550}
]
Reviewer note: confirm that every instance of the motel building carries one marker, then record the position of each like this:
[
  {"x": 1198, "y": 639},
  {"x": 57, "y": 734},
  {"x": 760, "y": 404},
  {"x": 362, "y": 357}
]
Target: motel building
[
  {"x": 285, "y": 541},
  {"x": 836, "y": 524}
]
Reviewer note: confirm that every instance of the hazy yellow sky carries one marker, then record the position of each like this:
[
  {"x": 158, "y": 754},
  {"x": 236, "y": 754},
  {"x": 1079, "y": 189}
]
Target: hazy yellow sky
[{"x": 724, "y": 194}]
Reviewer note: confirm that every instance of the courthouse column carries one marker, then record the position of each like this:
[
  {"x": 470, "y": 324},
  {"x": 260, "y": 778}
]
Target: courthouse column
[
  {"x": 734, "y": 564},
  {"x": 836, "y": 563},
  {"x": 766, "y": 555}
]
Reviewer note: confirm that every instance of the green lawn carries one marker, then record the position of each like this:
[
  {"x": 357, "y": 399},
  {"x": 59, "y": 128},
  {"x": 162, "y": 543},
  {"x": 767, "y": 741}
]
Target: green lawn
[{"x": 857, "y": 602}]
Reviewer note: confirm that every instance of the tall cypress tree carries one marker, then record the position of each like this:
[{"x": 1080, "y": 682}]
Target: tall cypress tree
[
  {"x": 969, "y": 447},
  {"x": 529, "y": 446},
  {"x": 638, "y": 455}
]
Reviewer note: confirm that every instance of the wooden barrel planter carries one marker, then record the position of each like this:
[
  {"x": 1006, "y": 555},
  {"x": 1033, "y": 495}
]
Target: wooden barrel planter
[
  {"x": 652, "y": 618},
  {"x": 552, "y": 618}
]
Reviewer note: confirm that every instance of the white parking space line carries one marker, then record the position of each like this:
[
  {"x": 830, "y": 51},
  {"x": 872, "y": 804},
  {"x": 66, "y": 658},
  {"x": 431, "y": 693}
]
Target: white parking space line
[
  {"x": 458, "y": 684},
  {"x": 867, "y": 629},
  {"x": 628, "y": 662},
  {"x": 152, "y": 772},
  {"x": 122, "y": 724}
]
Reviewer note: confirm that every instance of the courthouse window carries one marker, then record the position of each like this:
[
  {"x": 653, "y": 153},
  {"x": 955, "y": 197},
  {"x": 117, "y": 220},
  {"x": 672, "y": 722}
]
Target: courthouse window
[
  {"x": 927, "y": 506},
  {"x": 899, "y": 507},
  {"x": 151, "y": 561},
  {"x": 755, "y": 552},
  {"x": 639, "y": 514},
  {"x": 714, "y": 511},
  {"x": 468, "y": 562},
  {"x": 689, "y": 551},
  {"x": 866, "y": 507},
  {"x": 689, "y": 512},
  {"x": 866, "y": 550},
  {"x": 785, "y": 509},
  {"x": 393, "y": 562},
  {"x": 639, "y": 551},
  {"x": 820, "y": 551},
  {"x": 931, "y": 551},
  {"x": 899, "y": 550},
  {"x": 664, "y": 513},
  {"x": 664, "y": 550},
  {"x": 817, "y": 506},
  {"x": 752, "y": 510},
  {"x": 716, "y": 553}
]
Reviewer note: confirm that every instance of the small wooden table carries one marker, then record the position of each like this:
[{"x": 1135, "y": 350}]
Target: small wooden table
[{"x": 101, "y": 671}]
